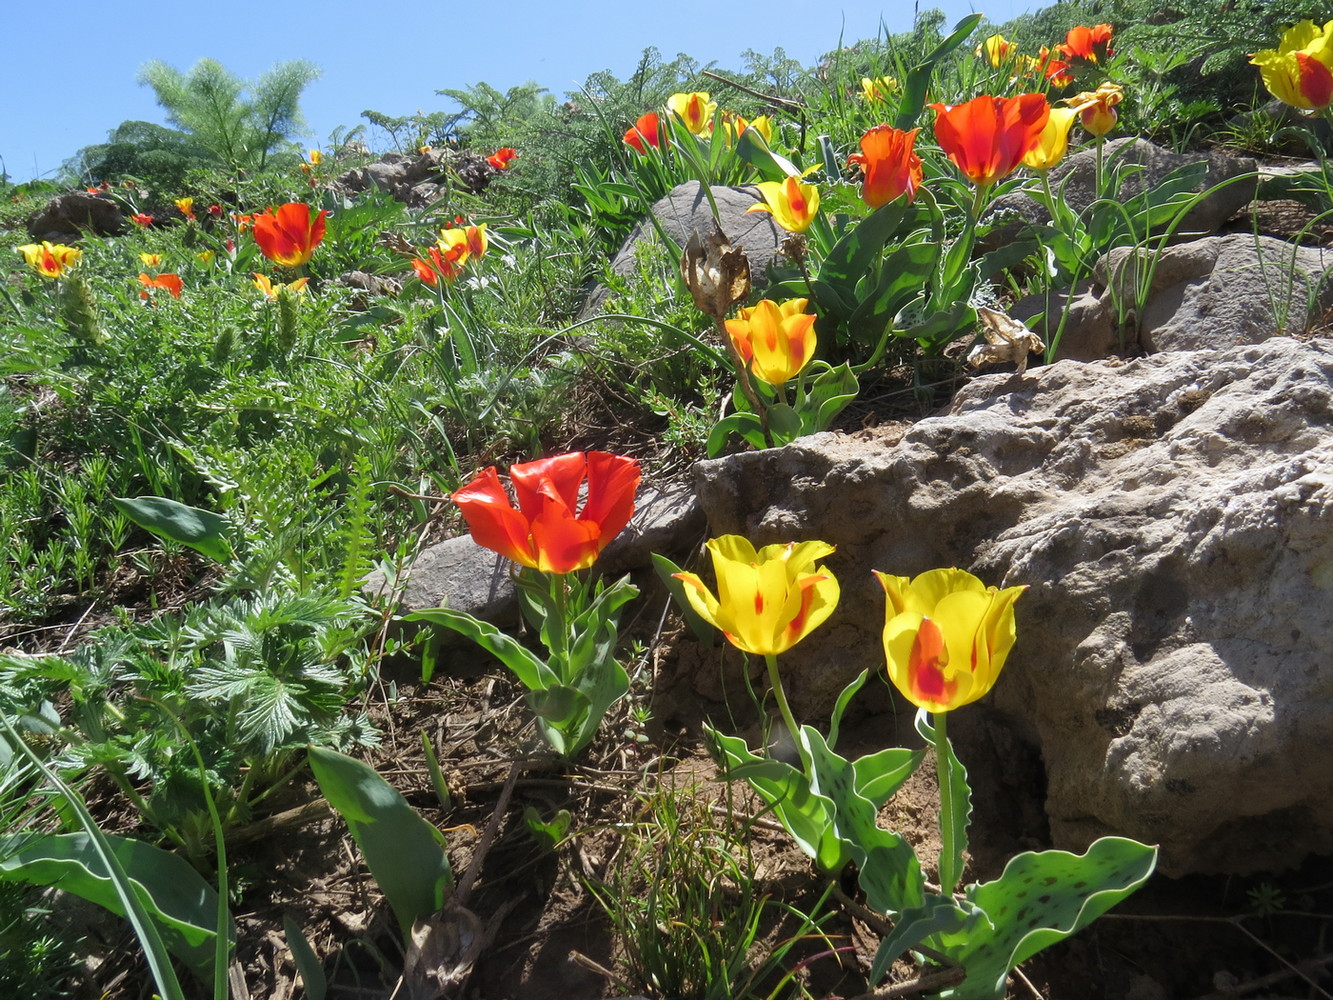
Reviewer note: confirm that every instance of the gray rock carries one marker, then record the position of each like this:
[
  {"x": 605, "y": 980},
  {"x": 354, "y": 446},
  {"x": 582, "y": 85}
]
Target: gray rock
[
  {"x": 71, "y": 215},
  {"x": 1075, "y": 180},
  {"x": 686, "y": 210},
  {"x": 1216, "y": 292},
  {"x": 1173, "y": 518}
]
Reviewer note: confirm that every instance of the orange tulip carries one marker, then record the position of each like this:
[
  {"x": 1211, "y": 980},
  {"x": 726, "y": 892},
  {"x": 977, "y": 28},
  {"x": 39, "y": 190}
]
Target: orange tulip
[
  {"x": 1089, "y": 44},
  {"x": 891, "y": 165},
  {"x": 544, "y": 532},
  {"x": 500, "y": 158},
  {"x": 445, "y": 262},
  {"x": 647, "y": 130},
  {"x": 171, "y": 282},
  {"x": 289, "y": 235},
  {"x": 987, "y": 137}
]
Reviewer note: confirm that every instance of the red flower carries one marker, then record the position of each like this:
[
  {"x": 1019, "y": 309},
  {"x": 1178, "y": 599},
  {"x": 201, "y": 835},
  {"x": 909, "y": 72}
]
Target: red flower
[
  {"x": 444, "y": 263},
  {"x": 171, "y": 282},
  {"x": 141, "y": 220},
  {"x": 648, "y": 129},
  {"x": 545, "y": 533},
  {"x": 215, "y": 211},
  {"x": 1057, "y": 72},
  {"x": 890, "y": 164},
  {"x": 289, "y": 235},
  {"x": 501, "y": 157},
  {"x": 988, "y": 137},
  {"x": 1089, "y": 44}
]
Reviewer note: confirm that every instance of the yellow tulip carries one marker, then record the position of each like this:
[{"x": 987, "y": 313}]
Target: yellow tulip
[
  {"x": 271, "y": 291},
  {"x": 775, "y": 340},
  {"x": 50, "y": 260},
  {"x": 1097, "y": 108},
  {"x": 1299, "y": 71},
  {"x": 792, "y": 204},
  {"x": 205, "y": 257},
  {"x": 186, "y": 207},
  {"x": 472, "y": 239},
  {"x": 1054, "y": 142},
  {"x": 316, "y": 157},
  {"x": 946, "y": 636},
  {"x": 995, "y": 49},
  {"x": 878, "y": 89},
  {"x": 695, "y": 110},
  {"x": 769, "y": 600},
  {"x": 151, "y": 259}
]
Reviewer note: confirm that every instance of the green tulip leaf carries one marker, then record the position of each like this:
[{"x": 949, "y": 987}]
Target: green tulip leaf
[
  {"x": 530, "y": 669},
  {"x": 182, "y": 906},
  {"x": 403, "y": 851},
  {"x": 747, "y": 425},
  {"x": 201, "y": 530},
  {"x": 1039, "y": 900}
]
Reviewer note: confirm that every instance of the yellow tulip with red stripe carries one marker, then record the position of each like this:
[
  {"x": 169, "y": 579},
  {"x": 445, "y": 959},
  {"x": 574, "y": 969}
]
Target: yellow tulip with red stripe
[
  {"x": 792, "y": 204},
  {"x": 946, "y": 636},
  {"x": 775, "y": 340},
  {"x": 767, "y": 600}
]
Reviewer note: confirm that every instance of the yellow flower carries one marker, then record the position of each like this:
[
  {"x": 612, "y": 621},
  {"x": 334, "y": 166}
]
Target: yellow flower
[
  {"x": 316, "y": 157},
  {"x": 996, "y": 49},
  {"x": 271, "y": 291},
  {"x": 1299, "y": 71},
  {"x": 186, "y": 206},
  {"x": 946, "y": 636},
  {"x": 695, "y": 110},
  {"x": 792, "y": 204},
  {"x": 878, "y": 89},
  {"x": 1054, "y": 142},
  {"x": 1097, "y": 109},
  {"x": 50, "y": 260},
  {"x": 151, "y": 259},
  {"x": 769, "y": 600},
  {"x": 472, "y": 239},
  {"x": 205, "y": 257},
  {"x": 775, "y": 340}
]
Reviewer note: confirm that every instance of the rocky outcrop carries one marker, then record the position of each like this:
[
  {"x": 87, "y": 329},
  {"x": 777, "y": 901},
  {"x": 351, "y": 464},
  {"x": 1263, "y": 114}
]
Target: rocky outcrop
[
  {"x": 1216, "y": 292},
  {"x": 74, "y": 214},
  {"x": 1144, "y": 167},
  {"x": 1173, "y": 518}
]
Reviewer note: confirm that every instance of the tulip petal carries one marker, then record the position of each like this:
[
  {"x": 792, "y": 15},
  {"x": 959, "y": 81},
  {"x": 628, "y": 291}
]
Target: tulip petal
[
  {"x": 612, "y": 482},
  {"x": 548, "y": 479},
  {"x": 492, "y": 519}
]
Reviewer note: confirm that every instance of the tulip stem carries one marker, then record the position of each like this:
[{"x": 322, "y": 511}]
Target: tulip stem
[
  {"x": 948, "y": 865},
  {"x": 743, "y": 374},
  {"x": 781, "y": 696}
]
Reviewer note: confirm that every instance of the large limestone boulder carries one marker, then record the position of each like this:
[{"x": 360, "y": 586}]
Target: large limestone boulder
[
  {"x": 1144, "y": 166},
  {"x": 1173, "y": 519},
  {"x": 1219, "y": 291}
]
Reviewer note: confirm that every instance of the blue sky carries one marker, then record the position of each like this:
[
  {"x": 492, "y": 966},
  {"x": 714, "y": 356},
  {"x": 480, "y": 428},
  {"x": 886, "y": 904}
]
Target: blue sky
[{"x": 72, "y": 73}]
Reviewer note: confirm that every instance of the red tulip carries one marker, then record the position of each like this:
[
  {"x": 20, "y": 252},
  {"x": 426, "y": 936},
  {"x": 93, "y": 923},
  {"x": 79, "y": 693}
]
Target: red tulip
[
  {"x": 988, "y": 137},
  {"x": 1089, "y": 44},
  {"x": 544, "y": 532},
  {"x": 648, "y": 129},
  {"x": 501, "y": 157},
  {"x": 289, "y": 235},
  {"x": 890, "y": 164},
  {"x": 171, "y": 282}
]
